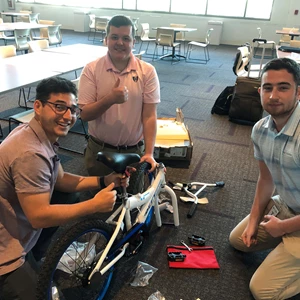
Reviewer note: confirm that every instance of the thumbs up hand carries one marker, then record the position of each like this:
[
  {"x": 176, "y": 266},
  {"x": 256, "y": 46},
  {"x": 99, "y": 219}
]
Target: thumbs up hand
[{"x": 119, "y": 93}]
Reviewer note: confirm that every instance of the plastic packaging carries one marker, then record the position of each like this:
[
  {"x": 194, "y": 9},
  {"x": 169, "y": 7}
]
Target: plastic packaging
[
  {"x": 157, "y": 296},
  {"x": 72, "y": 258},
  {"x": 143, "y": 273}
]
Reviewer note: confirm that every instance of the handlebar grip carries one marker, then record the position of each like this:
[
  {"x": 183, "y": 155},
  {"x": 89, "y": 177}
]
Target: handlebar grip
[{"x": 192, "y": 210}]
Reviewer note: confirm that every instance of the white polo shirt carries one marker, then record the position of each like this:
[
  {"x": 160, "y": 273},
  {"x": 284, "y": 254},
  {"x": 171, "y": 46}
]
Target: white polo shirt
[{"x": 281, "y": 153}]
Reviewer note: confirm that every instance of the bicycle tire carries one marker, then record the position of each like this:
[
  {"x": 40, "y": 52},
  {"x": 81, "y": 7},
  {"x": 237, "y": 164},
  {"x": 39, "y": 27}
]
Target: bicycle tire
[
  {"x": 139, "y": 183},
  {"x": 139, "y": 180},
  {"x": 58, "y": 284}
]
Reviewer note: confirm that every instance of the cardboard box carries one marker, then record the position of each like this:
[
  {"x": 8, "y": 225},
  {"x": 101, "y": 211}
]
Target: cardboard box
[{"x": 173, "y": 144}]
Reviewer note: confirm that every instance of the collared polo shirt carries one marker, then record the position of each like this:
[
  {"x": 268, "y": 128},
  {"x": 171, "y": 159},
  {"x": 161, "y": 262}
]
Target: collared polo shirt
[
  {"x": 280, "y": 152},
  {"x": 121, "y": 124},
  {"x": 29, "y": 165}
]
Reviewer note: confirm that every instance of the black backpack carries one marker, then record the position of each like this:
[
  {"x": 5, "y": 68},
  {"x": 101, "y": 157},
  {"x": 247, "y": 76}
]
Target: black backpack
[{"x": 222, "y": 104}]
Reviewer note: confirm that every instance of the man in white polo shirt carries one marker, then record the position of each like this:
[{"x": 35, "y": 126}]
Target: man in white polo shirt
[
  {"x": 118, "y": 95},
  {"x": 274, "y": 219}
]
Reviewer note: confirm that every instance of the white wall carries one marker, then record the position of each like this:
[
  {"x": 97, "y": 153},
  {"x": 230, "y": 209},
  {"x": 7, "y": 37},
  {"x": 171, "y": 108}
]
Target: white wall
[{"x": 235, "y": 31}]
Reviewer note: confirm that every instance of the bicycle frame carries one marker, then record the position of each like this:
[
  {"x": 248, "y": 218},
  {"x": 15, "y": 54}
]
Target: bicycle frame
[{"x": 145, "y": 202}]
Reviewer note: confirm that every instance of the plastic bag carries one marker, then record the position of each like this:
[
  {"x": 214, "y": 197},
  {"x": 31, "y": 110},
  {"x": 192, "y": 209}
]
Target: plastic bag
[
  {"x": 157, "y": 296},
  {"x": 143, "y": 273},
  {"x": 72, "y": 258}
]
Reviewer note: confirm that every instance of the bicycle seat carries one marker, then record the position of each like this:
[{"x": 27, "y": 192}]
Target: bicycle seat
[{"x": 118, "y": 161}]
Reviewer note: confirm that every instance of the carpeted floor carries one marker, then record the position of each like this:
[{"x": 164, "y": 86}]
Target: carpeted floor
[{"x": 222, "y": 151}]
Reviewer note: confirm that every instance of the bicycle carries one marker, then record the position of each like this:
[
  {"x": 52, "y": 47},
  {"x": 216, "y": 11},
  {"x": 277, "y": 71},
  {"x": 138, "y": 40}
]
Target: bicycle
[{"x": 80, "y": 264}]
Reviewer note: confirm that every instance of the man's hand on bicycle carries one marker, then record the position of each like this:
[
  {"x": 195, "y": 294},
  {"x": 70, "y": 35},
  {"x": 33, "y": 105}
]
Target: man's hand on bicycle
[
  {"x": 105, "y": 200},
  {"x": 119, "y": 179},
  {"x": 149, "y": 159}
]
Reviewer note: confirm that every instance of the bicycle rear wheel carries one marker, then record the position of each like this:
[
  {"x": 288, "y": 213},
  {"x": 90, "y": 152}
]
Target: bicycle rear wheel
[
  {"x": 139, "y": 183},
  {"x": 139, "y": 180},
  {"x": 68, "y": 263}
]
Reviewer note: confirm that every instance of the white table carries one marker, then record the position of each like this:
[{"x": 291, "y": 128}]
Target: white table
[
  {"x": 27, "y": 69},
  {"x": 291, "y": 33},
  {"x": 13, "y": 15},
  {"x": 90, "y": 52},
  {"x": 20, "y": 25}
]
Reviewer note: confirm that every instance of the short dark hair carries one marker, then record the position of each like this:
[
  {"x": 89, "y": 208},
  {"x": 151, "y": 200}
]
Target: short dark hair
[
  {"x": 54, "y": 85},
  {"x": 284, "y": 63},
  {"x": 118, "y": 21}
]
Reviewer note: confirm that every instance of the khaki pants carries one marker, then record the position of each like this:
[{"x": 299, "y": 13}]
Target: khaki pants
[
  {"x": 278, "y": 277},
  {"x": 96, "y": 168}
]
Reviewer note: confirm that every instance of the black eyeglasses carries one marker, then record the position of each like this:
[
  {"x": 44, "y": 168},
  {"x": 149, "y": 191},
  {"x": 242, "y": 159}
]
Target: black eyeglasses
[{"x": 61, "y": 109}]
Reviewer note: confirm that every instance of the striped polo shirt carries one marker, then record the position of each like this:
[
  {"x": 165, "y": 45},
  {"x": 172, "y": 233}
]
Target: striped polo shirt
[{"x": 280, "y": 152}]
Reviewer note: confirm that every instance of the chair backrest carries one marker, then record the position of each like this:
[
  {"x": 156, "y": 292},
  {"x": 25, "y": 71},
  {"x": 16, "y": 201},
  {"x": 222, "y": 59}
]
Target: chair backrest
[
  {"x": 44, "y": 31},
  {"x": 100, "y": 23},
  {"x": 38, "y": 45},
  {"x": 242, "y": 60},
  {"x": 286, "y": 38},
  {"x": 208, "y": 33},
  {"x": 295, "y": 43},
  {"x": 259, "y": 32},
  {"x": 7, "y": 51},
  {"x": 165, "y": 37},
  {"x": 179, "y": 35},
  {"x": 292, "y": 29},
  {"x": 140, "y": 54},
  {"x": 34, "y": 18},
  {"x": 135, "y": 22},
  {"x": 22, "y": 37},
  {"x": 145, "y": 31},
  {"x": 2, "y": 33},
  {"x": 25, "y": 18},
  {"x": 92, "y": 21},
  {"x": 54, "y": 35},
  {"x": 76, "y": 82},
  {"x": 46, "y": 22}
]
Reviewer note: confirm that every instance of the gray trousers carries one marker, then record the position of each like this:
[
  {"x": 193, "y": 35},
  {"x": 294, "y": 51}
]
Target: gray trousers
[
  {"x": 21, "y": 283},
  {"x": 96, "y": 168},
  {"x": 278, "y": 277}
]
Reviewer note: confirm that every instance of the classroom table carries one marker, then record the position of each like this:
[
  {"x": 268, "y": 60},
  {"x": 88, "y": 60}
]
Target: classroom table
[
  {"x": 89, "y": 51},
  {"x": 23, "y": 70},
  {"x": 20, "y": 25},
  {"x": 292, "y": 55},
  {"x": 292, "y": 34},
  {"x": 13, "y": 15}
]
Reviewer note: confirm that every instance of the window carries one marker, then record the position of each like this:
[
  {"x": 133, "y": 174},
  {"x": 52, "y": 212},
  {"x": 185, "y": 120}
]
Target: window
[
  {"x": 255, "y": 9},
  {"x": 264, "y": 11},
  {"x": 129, "y": 4},
  {"x": 229, "y": 8},
  {"x": 154, "y": 5},
  {"x": 190, "y": 6}
]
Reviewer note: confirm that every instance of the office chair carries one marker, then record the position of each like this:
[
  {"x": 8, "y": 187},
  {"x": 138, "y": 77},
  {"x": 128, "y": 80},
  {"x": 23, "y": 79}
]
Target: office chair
[
  {"x": 144, "y": 38},
  {"x": 165, "y": 38},
  {"x": 192, "y": 46}
]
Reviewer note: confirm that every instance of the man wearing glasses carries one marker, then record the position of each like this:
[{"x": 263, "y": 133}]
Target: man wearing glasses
[{"x": 29, "y": 171}]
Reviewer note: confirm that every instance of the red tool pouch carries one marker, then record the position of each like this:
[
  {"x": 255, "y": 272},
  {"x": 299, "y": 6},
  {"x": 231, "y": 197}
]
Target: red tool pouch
[{"x": 198, "y": 258}]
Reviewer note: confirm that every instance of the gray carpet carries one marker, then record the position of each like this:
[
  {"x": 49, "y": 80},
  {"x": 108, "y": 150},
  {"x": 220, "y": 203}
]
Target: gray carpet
[{"x": 222, "y": 151}]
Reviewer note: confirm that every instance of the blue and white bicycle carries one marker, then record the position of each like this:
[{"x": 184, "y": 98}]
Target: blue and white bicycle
[{"x": 80, "y": 264}]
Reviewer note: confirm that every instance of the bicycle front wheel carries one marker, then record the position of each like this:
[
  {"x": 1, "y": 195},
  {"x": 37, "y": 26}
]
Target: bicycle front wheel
[{"x": 68, "y": 263}]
